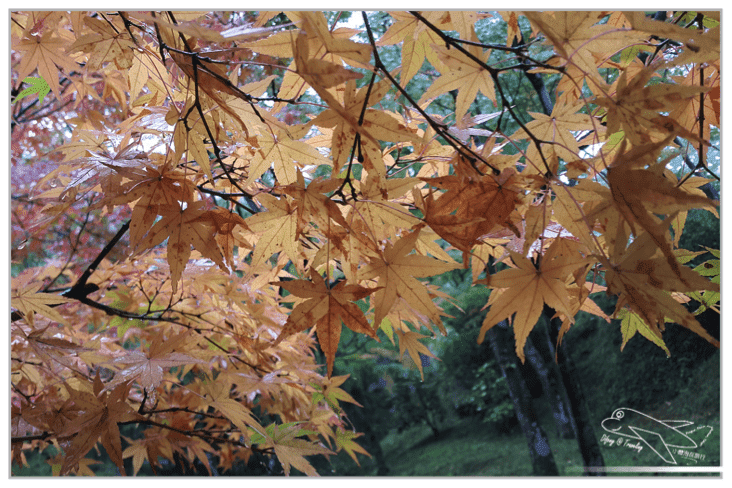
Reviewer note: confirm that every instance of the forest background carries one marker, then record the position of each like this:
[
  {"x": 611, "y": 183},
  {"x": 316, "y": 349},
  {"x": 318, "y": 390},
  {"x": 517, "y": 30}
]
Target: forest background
[{"x": 486, "y": 378}]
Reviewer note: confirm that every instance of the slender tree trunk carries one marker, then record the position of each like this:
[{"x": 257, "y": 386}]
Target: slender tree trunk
[
  {"x": 427, "y": 417},
  {"x": 362, "y": 421},
  {"x": 588, "y": 445},
  {"x": 540, "y": 354},
  {"x": 375, "y": 449},
  {"x": 502, "y": 343}
]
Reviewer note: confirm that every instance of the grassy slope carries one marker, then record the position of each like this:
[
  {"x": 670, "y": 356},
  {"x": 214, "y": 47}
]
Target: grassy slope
[{"x": 476, "y": 449}]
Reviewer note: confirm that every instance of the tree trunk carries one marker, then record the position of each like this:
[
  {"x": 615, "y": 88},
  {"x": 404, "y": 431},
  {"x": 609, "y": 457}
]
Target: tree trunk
[
  {"x": 361, "y": 420},
  {"x": 375, "y": 448},
  {"x": 427, "y": 417},
  {"x": 586, "y": 440},
  {"x": 540, "y": 353},
  {"x": 502, "y": 343}
]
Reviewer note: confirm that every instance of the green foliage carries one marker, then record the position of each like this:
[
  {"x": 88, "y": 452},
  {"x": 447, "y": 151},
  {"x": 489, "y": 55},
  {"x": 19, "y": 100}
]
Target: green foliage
[{"x": 489, "y": 395}]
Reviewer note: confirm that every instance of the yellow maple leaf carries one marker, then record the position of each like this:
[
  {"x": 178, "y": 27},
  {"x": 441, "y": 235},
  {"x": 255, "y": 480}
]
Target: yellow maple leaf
[
  {"x": 105, "y": 44},
  {"x": 636, "y": 109},
  {"x": 345, "y": 440},
  {"x": 28, "y": 301},
  {"x": 397, "y": 271},
  {"x": 291, "y": 451},
  {"x": 217, "y": 394},
  {"x": 577, "y": 37},
  {"x": 285, "y": 156},
  {"x": 417, "y": 42},
  {"x": 462, "y": 74},
  {"x": 558, "y": 128},
  {"x": 279, "y": 227},
  {"x": 631, "y": 322}
]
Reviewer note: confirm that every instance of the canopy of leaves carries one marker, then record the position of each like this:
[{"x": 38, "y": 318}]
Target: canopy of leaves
[{"x": 204, "y": 199}]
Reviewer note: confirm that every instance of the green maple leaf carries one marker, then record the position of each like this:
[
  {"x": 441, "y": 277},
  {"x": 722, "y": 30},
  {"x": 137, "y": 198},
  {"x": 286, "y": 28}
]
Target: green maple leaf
[{"x": 37, "y": 85}]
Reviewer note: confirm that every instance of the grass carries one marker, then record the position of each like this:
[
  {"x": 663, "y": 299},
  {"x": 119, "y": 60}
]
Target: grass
[{"x": 472, "y": 448}]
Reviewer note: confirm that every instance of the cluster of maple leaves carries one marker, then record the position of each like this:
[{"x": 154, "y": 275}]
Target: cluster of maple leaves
[{"x": 236, "y": 257}]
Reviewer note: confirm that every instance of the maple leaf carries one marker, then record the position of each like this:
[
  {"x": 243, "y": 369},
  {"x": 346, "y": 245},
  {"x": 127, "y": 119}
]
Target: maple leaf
[
  {"x": 417, "y": 42},
  {"x": 462, "y": 74},
  {"x": 643, "y": 278},
  {"x": 378, "y": 124},
  {"x": 225, "y": 223},
  {"x": 636, "y": 108},
  {"x": 345, "y": 48},
  {"x": 146, "y": 67},
  {"x": 331, "y": 393},
  {"x": 471, "y": 207},
  {"x": 217, "y": 395},
  {"x": 37, "y": 85},
  {"x": 311, "y": 198},
  {"x": 151, "y": 187},
  {"x": 183, "y": 228},
  {"x": 700, "y": 46},
  {"x": 631, "y": 322},
  {"x": 576, "y": 37},
  {"x": 326, "y": 307},
  {"x": 279, "y": 227},
  {"x": 409, "y": 341},
  {"x": 106, "y": 44},
  {"x": 317, "y": 73},
  {"x": 28, "y": 301},
  {"x": 662, "y": 196},
  {"x": 100, "y": 413},
  {"x": 353, "y": 196},
  {"x": 709, "y": 298},
  {"x": 285, "y": 155},
  {"x": 558, "y": 128},
  {"x": 139, "y": 454},
  {"x": 526, "y": 288},
  {"x": 148, "y": 368},
  {"x": 396, "y": 270},
  {"x": 344, "y": 440},
  {"x": 44, "y": 53},
  {"x": 291, "y": 451}
]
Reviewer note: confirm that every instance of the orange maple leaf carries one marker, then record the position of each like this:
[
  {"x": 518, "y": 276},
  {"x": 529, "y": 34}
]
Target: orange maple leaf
[
  {"x": 409, "y": 341},
  {"x": 100, "y": 412},
  {"x": 326, "y": 308},
  {"x": 44, "y": 53},
  {"x": 527, "y": 288},
  {"x": 147, "y": 368},
  {"x": 183, "y": 228}
]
